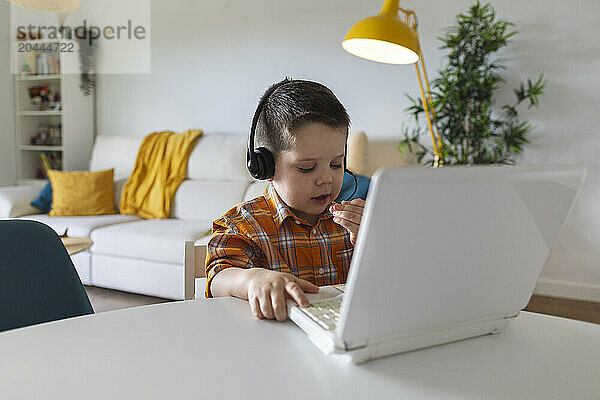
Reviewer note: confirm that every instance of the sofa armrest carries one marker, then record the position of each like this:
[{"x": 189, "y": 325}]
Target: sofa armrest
[
  {"x": 356, "y": 159},
  {"x": 15, "y": 201}
]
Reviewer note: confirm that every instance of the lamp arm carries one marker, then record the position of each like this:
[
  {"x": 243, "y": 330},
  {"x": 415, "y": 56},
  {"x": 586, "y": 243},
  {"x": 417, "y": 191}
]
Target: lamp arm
[
  {"x": 412, "y": 21},
  {"x": 427, "y": 109},
  {"x": 434, "y": 117}
]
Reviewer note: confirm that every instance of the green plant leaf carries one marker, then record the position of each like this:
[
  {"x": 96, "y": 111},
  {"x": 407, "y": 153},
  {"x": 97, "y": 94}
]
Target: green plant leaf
[{"x": 471, "y": 127}]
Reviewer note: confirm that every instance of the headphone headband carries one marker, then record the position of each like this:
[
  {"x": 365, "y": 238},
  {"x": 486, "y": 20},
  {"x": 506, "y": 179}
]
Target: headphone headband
[{"x": 260, "y": 162}]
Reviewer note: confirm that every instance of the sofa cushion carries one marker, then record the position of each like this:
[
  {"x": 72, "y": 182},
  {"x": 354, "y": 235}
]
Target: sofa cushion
[
  {"x": 206, "y": 200},
  {"x": 161, "y": 240},
  {"x": 81, "y": 226},
  {"x": 219, "y": 156},
  {"x": 146, "y": 277},
  {"x": 118, "y": 189},
  {"x": 115, "y": 151},
  {"x": 255, "y": 189}
]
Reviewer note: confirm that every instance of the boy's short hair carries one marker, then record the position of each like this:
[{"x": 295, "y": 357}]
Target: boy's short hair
[{"x": 293, "y": 105}]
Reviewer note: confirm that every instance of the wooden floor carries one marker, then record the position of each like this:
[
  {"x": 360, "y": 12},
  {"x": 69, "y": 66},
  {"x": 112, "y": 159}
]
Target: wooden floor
[
  {"x": 108, "y": 300},
  {"x": 566, "y": 308}
]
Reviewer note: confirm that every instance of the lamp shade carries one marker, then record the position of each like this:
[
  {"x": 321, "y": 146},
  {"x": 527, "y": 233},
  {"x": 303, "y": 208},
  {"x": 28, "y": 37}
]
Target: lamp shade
[
  {"x": 48, "y": 5},
  {"x": 383, "y": 38}
]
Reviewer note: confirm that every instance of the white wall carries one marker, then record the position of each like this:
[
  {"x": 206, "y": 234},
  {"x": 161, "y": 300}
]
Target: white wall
[
  {"x": 212, "y": 59},
  {"x": 7, "y": 110}
]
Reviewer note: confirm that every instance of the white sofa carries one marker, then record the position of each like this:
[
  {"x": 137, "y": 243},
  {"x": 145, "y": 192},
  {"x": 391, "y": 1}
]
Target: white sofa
[
  {"x": 156, "y": 256},
  {"x": 147, "y": 256}
]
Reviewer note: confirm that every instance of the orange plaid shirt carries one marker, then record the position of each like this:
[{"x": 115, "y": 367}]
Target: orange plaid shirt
[{"x": 265, "y": 233}]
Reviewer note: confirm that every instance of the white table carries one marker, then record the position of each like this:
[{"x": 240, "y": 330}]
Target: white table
[{"x": 213, "y": 349}]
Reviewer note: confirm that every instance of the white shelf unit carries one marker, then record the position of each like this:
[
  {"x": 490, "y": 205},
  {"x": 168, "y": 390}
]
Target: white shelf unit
[{"x": 75, "y": 116}]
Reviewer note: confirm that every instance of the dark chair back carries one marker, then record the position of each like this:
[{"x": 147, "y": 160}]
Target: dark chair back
[{"x": 38, "y": 282}]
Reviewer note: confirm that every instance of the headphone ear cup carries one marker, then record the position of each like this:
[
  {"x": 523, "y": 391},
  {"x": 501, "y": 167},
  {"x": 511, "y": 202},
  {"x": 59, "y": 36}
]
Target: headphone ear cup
[
  {"x": 266, "y": 163},
  {"x": 261, "y": 164},
  {"x": 269, "y": 163},
  {"x": 252, "y": 163},
  {"x": 346, "y": 158}
]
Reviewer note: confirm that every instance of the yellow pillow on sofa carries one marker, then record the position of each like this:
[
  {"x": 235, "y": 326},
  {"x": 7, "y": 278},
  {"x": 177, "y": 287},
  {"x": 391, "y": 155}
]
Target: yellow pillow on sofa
[{"x": 82, "y": 193}]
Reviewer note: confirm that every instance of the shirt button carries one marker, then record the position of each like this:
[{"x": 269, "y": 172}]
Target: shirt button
[
  {"x": 297, "y": 222},
  {"x": 314, "y": 231},
  {"x": 321, "y": 271}
]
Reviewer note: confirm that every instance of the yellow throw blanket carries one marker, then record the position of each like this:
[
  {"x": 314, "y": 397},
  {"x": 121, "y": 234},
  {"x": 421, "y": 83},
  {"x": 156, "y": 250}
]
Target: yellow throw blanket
[{"x": 159, "y": 169}]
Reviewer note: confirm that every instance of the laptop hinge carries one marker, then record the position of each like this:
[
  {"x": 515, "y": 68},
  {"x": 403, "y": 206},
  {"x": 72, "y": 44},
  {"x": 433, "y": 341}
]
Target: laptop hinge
[{"x": 512, "y": 314}]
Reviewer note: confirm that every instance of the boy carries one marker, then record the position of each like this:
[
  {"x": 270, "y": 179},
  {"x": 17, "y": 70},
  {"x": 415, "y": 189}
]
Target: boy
[{"x": 293, "y": 238}]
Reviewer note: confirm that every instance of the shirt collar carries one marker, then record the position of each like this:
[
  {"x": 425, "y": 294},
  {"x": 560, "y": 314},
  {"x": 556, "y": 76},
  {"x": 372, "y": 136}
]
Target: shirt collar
[{"x": 281, "y": 211}]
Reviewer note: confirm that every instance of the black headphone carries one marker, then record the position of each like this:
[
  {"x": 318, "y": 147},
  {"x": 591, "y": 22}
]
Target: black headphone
[{"x": 260, "y": 161}]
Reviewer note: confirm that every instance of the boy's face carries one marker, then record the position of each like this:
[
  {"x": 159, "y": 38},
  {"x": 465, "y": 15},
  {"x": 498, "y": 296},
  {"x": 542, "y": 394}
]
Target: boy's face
[{"x": 309, "y": 176}]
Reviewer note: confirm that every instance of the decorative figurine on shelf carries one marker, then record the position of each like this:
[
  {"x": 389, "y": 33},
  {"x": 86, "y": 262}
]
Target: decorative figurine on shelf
[
  {"x": 55, "y": 134},
  {"x": 44, "y": 136},
  {"x": 40, "y": 96},
  {"x": 55, "y": 104}
]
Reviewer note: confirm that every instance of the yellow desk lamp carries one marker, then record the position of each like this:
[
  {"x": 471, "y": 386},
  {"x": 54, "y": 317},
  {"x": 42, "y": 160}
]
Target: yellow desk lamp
[{"x": 387, "y": 39}]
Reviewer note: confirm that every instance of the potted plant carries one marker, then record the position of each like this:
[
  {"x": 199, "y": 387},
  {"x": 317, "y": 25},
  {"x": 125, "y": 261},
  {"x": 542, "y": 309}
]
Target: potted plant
[
  {"x": 472, "y": 130},
  {"x": 87, "y": 60}
]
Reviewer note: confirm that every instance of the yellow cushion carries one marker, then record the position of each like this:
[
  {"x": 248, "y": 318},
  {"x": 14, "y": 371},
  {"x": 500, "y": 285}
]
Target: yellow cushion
[{"x": 82, "y": 193}]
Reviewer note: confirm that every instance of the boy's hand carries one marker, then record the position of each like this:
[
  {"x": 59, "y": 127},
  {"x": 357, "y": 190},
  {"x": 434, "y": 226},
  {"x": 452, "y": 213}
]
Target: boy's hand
[
  {"x": 267, "y": 291},
  {"x": 349, "y": 214}
]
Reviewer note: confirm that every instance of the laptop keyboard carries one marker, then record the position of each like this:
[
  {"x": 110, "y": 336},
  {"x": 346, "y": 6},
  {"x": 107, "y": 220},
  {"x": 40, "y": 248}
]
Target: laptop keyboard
[{"x": 325, "y": 313}]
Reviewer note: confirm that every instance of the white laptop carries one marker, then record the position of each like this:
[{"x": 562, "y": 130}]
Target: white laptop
[{"x": 442, "y": 255}]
